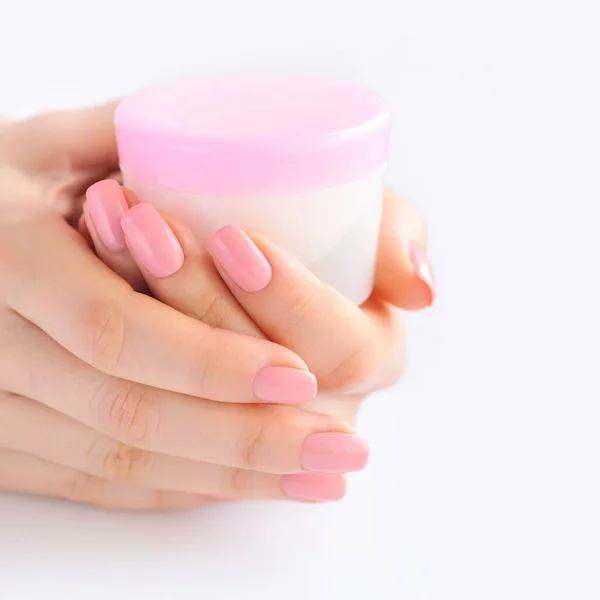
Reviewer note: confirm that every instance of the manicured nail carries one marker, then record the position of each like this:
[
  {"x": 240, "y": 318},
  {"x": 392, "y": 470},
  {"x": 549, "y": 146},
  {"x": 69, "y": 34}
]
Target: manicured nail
[
  {"x": 313, "y": 487},
  {"x": 241, "y": 259},
  {"x": 334, "y": 453},
  {"x": 151, "y": 240},
  {"x": 422, "y": 268},
  {"x": 106, "y": 205},
  {"x": 283, "y": 385}
]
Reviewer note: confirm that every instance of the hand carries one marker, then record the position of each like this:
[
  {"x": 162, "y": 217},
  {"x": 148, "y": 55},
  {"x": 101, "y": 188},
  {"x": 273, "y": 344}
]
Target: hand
[
  {"x": 259, "y": 290},
  {"x": 108, "y": 396}
]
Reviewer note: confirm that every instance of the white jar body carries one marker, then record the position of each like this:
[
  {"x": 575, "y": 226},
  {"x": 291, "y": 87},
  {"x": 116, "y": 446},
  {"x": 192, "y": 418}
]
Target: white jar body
[{"x": 334, "y": 232}]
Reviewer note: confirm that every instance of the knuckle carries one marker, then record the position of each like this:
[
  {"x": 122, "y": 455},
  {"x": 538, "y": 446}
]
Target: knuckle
[
  {"x": 208, "y": 309},
  {"x": 131, "y": 412},
  {"x": 256, "y": 441},
  {"x": 105, "y": 329},
  {"x": 79, "y": 487},
  {"x": 169, "y": 500},
  {"x": 236, "y": 484},
  {"x": 161, "y": 500},
  {"x": 116, "y": 461},
  {"x": 206, "y": 357},
  {"x": 254, "y": 448}
]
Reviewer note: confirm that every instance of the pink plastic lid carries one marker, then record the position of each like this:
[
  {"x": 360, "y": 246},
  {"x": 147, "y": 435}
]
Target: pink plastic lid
[{"x": 248, "y": 134}]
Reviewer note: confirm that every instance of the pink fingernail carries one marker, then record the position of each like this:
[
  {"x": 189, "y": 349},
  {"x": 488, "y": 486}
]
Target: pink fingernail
[
  {"x": 151, "y": 240},
  {"x": 422, "y": 268},
  {"x": 283, "y": 385},
  {"x": 106, "y": 204},
  {"x": 314, "y": 487},
  {"x": 334, "y": 453},
  {"x": 241, "y": 259}
]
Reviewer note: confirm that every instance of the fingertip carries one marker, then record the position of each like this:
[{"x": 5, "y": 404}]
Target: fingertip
[
  {"x": 284, "y": 385},
  {"x": 423, "y": 272},
  {"x": 102, "y": 187},
  {"x": 404, "y": 274},
  {"x": 411, "y": 293},
  {"x": 151, "y": 241},
  {"x": 105, "y": 204},
  {"x": 241, "y": 259}
]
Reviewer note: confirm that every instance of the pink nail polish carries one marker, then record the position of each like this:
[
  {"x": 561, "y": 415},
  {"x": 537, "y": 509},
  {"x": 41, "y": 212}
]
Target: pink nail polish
[
  {"x": 106, "y": 205},
  {"x": 283, "y": 385},
  {"x": 334, "y": 453},
  {"x": 422, "y": 268},
  {"x": 241, "y": 259},
  {"x": 151, "y": 241},
  {"x": 314, "y": 487}
]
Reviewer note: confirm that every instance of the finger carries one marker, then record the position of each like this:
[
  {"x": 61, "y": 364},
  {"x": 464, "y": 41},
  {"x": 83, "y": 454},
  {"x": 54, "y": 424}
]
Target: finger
[
  {"x": 74, "y": 445},
  {"x": 404, "y": 276},
  {"x": 189, "y": 282},
  {"x": 105, "y": 205},
  {"x": 266, "y": 438},
  {"x": 343, "y": 344},
  {"x": 165, "y": 253},
  {"x": 75, "y": 140},
  {"x": 90, "y": 311},
  {"x": 27, "y": 474}
]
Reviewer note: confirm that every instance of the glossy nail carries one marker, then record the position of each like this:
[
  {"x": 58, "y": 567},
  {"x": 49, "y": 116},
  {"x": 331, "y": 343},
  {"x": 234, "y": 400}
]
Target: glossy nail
[
  {"x": 283, "y": 385},
  {"x": 314, "y": 487},
  {"x": 334, "y": 453},
  {"x": 239, "y": 256},
  {"x": 422, "y": 268},
  {"x": 151, "y": 241},
  {"x": 106, "y": 205}
]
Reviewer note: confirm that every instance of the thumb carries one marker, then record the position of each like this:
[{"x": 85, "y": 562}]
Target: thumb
[
  {"x": 81, "y": 141},
  {"x": 403, "y": 276}
]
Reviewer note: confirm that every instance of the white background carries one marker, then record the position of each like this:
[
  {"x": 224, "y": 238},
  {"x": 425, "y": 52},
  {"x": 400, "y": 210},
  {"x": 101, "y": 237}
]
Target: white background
[{"x": 484, "y": 478}]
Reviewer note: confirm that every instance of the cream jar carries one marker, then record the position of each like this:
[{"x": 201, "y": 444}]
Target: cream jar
[{"x": 297, "y": 159}]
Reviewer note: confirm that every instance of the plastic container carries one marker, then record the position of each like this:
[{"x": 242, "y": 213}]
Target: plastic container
[{"x": 297, "y": 159}]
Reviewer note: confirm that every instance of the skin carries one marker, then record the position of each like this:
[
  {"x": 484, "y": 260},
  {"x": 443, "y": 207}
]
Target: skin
[{"x": 146, "y": 402}]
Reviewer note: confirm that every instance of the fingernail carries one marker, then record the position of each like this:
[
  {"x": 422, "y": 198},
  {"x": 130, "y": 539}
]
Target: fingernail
[
  {"x": 106, "y": 205},
  {"x": 422, "y": 268},
  {"x": 241, "y": 259},
  {"x": 151, "y": 240},
  {"x": 283, "y": 385},
  {"x": 334, "y": 453},
  {"x": 313, "y": 487}
]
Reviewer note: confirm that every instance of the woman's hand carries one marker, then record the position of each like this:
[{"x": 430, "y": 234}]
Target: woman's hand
[
  {"x": 110, "y": 397},
  {"x": 258, "y": 289}
]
